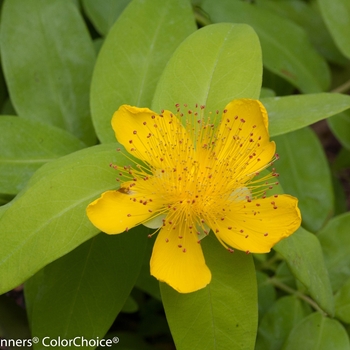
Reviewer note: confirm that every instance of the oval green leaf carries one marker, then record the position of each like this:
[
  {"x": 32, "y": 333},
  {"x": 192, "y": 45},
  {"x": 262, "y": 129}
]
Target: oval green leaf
[
  {"x": 80, "y": 294},
  {"x": 47, "y": 219},
  {"x": 266, "y": 293},
  {"x": 224, "y": 314},
  {"x": 286, "y": 51},
  {"x": 335, "y": 241},
  {"x": 134, "y": 55},
  {"x": 25, "y": 146},
  {"x": 305, "y": 174},
  {"x": 291, "y": 113},
  {"x": 48, "y": 57},
  {"x": 309, "y": 18},
  {"x": 336, "y": 14},
  {"x": 278, "y": 321},
  {"x": 340, "y": 126},
  {"x": 303, "y": 253},
  {"x": 213, "y": 66},
  {"x": 104, "y": 13},
  {"x": 317, "y": 332},
  {"x": 342, "y": 303}
]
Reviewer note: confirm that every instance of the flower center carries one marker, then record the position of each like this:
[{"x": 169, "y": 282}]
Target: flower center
[{"x": 197, "y": 170}]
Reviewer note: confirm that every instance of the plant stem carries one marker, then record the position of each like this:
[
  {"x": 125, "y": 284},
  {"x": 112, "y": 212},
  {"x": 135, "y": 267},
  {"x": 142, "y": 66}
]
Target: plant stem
[
  {"x": 342, "y": 88},
  {"x": 301, "y": 296}
]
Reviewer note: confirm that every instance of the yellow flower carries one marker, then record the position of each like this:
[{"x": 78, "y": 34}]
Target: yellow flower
[{"x": 194, "y": 178}]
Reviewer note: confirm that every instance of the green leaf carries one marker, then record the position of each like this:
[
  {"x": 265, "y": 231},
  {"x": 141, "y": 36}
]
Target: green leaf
[
  {"x": 305, "y": 174},
  {"x": 284, "y": 275},
  {"x": 340, "y": 126},
  {"x": 285, "y": 46},
  {"x": 224, "y": 314},
  {"x": 134, "y": 55},
  {"x": 310, "y": 20},
  {"x": 276, "y": 83},
  {"x": 25, "y": 146},
  {"x": 278, "y": 321},
  {"x": 4, "y": 199},
  {"x": 130, "y": 305},
  {"x": 104, "y": 13},
  {"x": 266, "y": 293},
  {"x": 212, "y": 67},
  {"x": 7, "y": 108},
  {"x": 48, "y": 219},
  {"x": 336, "y": 14},
  {"x": 303, "y": 253},
  {"x": 342, "y": 161},
  {"x": 342, "y": 303},
  {"x": 291, "y": 113},
  {"x": 48, "y": 57},
  {"x": 335, "y": 241},
  {"x": 316, "y": 332},
  {"x": 340, "y": 200},
  {"x": 81, "y": 293},
  {"x": 145, "y": 281},
  {"x": 266, "y": 92}
]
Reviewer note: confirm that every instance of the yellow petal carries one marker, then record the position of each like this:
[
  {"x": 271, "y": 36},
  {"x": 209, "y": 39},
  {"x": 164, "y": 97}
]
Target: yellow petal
[
  {"x": 244, "y": 139},
  {"x": 116, "y": 211},
  {"x": 258, "y": 225},
  {"x": 179, "y": 261},
  {"x": 148, "y": 136}
]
